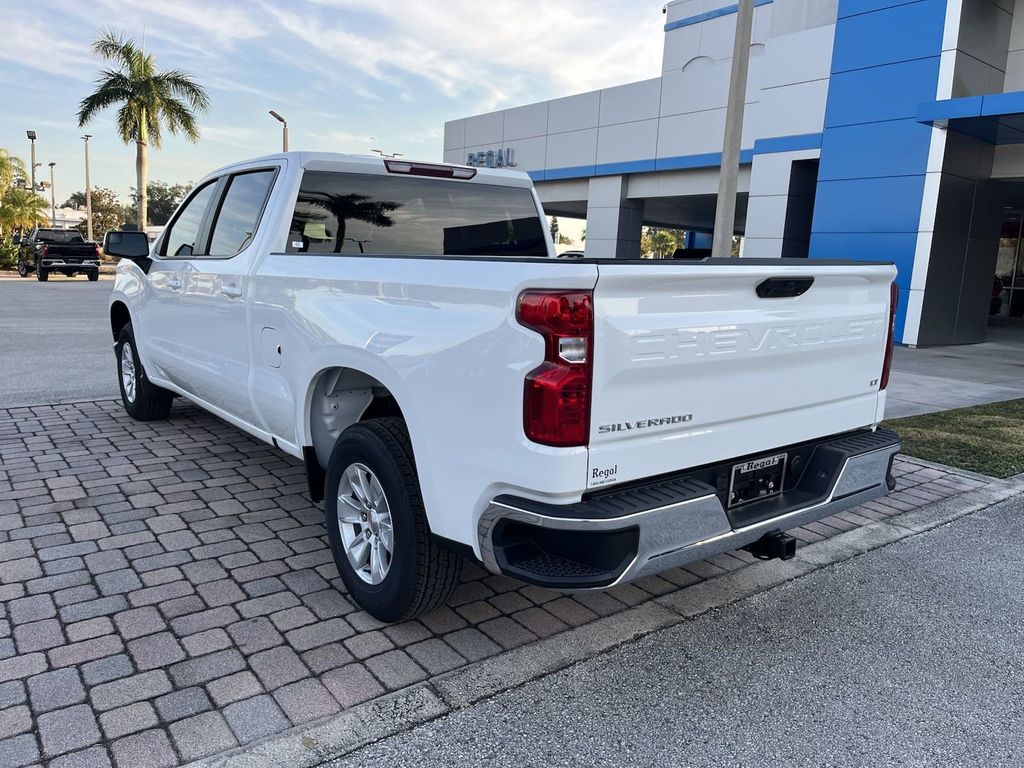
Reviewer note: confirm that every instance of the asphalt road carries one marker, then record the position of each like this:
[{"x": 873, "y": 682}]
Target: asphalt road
[
  {"x": 55, "y": 341},
  {"x": 909, "y": 655}
]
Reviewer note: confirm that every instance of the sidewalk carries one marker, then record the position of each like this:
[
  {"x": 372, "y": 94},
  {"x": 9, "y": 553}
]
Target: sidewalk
[{"x": 940, "y": 378}]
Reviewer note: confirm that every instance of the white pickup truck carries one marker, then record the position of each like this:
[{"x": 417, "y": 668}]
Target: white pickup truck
[{"x": 455, "y": 390}]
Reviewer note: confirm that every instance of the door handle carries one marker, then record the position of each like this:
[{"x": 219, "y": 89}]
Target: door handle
[
  {"x": 173, "y": 283},
  {"x": 232, "y": 291}
]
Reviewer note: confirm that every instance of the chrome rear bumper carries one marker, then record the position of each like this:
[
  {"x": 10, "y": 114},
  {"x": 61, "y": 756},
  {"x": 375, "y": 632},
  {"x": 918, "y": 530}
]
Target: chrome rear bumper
[{"x": 685, "y": 530}]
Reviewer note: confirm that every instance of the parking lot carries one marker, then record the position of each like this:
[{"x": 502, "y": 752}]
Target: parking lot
[{"x": 167, "y": 590}]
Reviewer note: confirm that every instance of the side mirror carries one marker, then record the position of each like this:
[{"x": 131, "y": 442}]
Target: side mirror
[
  {"x": 127, "y": 245},
  {"x": 16, "y": 240}
]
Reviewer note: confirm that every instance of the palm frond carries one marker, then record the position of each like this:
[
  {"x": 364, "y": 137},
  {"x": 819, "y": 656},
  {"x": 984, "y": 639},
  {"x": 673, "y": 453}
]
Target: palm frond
[
  {"x": 180, "y": 119},
  {"x": 112, "y": 88},
  {"x": 181, "y": 85}
]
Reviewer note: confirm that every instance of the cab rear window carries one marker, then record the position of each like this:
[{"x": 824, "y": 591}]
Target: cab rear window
[{"x": 344, "y": 213}]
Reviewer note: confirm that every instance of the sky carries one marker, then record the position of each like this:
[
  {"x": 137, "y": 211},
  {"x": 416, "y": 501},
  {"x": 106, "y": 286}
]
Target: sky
[{"x": 348, "y": 75}]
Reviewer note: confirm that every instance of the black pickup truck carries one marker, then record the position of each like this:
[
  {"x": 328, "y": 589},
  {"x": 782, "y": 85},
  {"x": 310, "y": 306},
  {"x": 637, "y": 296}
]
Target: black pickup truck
[{"x": 58, "y": 250}]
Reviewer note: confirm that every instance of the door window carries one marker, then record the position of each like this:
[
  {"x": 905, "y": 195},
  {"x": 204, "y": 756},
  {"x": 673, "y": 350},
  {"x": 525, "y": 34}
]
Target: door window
[
  {"x": 239, "y": 214},
  {"x": 180, "y": 239}
]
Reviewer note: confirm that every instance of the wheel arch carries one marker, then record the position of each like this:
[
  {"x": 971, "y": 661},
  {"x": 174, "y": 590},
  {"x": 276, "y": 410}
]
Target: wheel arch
[
  {"x": 339, "y": 397},
  {"x": 119, "y": 317}
]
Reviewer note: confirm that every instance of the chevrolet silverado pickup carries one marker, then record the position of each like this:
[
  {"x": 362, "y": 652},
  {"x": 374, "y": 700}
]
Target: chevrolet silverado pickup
[
  {"x": 455, "y": 390},
  {"x": 58, "y": 250}
]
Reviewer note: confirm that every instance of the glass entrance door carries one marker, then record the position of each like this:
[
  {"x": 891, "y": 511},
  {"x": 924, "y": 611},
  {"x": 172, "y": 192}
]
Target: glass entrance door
[{"x": 1008, "y": 284}]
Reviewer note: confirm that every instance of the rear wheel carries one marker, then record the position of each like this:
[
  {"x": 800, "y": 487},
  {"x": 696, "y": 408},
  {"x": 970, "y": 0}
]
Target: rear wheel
[
  {"x": 93, "y": 276},
  {"x": 142, "y": 399},
  {"x": 391, "y": 565},
  {"x": 42, "y": 275}
]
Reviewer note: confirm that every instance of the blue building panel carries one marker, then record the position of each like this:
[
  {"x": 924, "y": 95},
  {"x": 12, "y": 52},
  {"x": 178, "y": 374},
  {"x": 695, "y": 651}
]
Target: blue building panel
[
  {"x": 892, "y": 148},
  {"x": 897, "y": 247},
  {"x": 787, "y": 143},
  {"x": 879, "y": 205},
  {"x": 889, "y": 36},
  {"x": 857, "y": 7},
  {"x": 874, "y": 151},
  {"x": 893, "y": 92}
]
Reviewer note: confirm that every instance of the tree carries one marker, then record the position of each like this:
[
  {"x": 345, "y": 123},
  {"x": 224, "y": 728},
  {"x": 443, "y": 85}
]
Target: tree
[
  {"x": 554, "y": 229},
  {"x": 75, "y": 201},
  {"x": 352, "y": 206},
  {"x": 149, "y": 99},
  {"x": 658, "y": 243},
  {"x": 11, "y": 168},
  {"x": 107, "y": 211},
  {"x": 163, "y": 200},
  {"x": 22, "y": 209}
]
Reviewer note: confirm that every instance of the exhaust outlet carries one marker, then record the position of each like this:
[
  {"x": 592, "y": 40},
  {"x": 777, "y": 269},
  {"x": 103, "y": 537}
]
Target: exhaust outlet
[{"x": 773, "y": 545}]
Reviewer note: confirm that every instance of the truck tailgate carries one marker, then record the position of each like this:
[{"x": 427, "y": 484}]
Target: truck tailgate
[{"x": 693, "y": 366}]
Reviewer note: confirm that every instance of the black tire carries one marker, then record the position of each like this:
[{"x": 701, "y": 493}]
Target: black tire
[
  {"x": 150, "y": 402},
  {"x": 23, "y": 270},
  {"x": 93, "y": 276},
  {"x": 422, "y": 574},
  {"x": 42, "y": 275}
]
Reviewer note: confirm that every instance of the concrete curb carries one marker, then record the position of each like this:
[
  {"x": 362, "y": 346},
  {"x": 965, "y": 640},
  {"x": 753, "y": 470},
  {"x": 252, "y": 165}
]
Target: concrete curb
[{"x": 313, "y": 744}]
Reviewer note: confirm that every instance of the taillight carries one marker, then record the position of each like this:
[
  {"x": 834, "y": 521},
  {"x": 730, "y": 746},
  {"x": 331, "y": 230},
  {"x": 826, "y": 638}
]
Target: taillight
[
  {"x": 46, "y": 250},
  {"x": 894, "y": 298},
  {"x": 96, "y": 249},
  {"x": 556, "y": 394}
]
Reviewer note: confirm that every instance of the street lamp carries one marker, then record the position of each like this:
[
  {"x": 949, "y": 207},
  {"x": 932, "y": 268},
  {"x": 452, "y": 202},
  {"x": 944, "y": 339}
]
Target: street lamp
[
  {"x": 32, "y": 137},
  {"x": 284, "y": 129},
  {"x": 53, "y": 197},
  {"x": 88, "y": 190}
]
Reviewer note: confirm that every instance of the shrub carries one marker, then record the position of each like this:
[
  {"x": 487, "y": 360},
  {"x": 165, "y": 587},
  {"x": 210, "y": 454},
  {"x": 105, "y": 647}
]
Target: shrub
[{"x": 8, "y": 253}]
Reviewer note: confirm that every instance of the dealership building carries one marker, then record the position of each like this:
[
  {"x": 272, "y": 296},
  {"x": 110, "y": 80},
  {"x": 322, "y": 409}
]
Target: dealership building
[{"x": 874, "y": 130}]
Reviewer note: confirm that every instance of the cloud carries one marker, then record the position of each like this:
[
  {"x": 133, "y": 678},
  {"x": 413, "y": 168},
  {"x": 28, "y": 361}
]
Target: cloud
[
  {"x": 36, "y": 47},
  {"x": 501, "y": 48}
]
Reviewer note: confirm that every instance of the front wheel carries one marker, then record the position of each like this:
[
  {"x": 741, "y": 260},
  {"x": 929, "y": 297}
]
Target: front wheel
[
  {"x": 390, "y": 563},
  {"x": 23, "y": 270},
  {"x": 142, "y": 399}
]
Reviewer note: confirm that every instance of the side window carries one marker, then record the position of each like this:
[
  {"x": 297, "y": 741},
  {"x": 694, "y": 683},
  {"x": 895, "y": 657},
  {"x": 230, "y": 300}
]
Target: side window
[
  {"x": 180, "y": 238},
  {"x": 240, "y": 211}
]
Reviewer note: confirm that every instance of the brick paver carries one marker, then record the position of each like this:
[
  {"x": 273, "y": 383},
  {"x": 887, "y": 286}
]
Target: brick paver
[{"x": 167, "y": 592}]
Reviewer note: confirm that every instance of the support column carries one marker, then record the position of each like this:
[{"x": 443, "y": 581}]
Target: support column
[
  {"x": 780, "y": 205},
  {"x": 614, "y": 223}
]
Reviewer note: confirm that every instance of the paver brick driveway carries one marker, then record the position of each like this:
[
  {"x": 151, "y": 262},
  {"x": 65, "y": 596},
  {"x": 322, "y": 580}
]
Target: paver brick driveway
[{"x": 167, "y": 592}]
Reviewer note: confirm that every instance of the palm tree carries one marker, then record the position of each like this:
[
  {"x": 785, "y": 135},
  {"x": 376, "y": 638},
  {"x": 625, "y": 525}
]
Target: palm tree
[
  {"x": 11, "y": 168},
  {"x": 22, "y": 209},
  {"x": 353, "y": 206},
  {"x": 150, "y": 99}
]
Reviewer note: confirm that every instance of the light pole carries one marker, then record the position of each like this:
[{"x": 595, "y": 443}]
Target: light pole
[
  {"x": 284, "y": 129},
  {"x": 53, "y": 197},
  {"x": 32, "y": 138},
  {"x": 725, "y": 213},
  {"x": 88, "y": 190}
]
